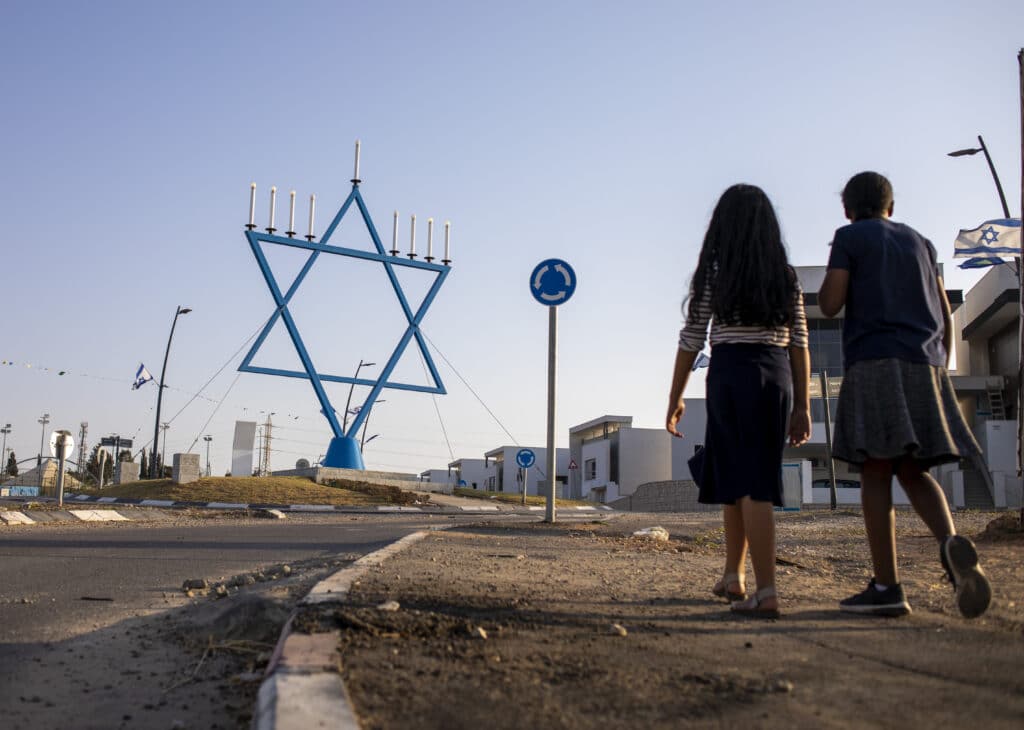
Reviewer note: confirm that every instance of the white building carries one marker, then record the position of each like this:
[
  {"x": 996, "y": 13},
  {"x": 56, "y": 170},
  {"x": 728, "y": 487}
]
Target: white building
[
  {"x": 506, "y": 476},
  {"x": 471, "y": 473},
  {"x": 437, "y": 480},
  {"x": 611, "y": 458}
]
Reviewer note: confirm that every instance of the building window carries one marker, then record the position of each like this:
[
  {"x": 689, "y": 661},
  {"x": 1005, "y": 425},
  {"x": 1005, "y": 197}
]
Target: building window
[{"x": 590, "y": 469}]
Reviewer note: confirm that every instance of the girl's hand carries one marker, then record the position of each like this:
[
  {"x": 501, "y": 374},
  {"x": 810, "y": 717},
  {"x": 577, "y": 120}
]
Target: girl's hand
[
  {"x": 799, "y": 427},
  {"x": 675, "y": 414}
]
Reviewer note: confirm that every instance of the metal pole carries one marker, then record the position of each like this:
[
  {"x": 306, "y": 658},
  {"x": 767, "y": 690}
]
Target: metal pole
[
  {"x": 348, "y": 402},
  {"x": 160, "y": 389},
  {"x": 5, "y": 430},
  {"x": 995, "y": 177},
  {"x": 1020, "y": 314},
  {"x": 526, "y": 480},
  {"x": 60, "y": 468},
  {"x": 828, "y": 440},
  {"x": 165, "y": 426},
  {"x": 549, "y": 515}
]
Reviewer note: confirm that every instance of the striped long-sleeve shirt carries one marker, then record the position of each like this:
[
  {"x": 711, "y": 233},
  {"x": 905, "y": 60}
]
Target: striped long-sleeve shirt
[{"x": 694, "y": 332}]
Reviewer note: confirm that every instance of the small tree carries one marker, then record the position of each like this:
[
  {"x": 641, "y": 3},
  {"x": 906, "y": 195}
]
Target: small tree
[
  {"x": 144, "y": 466},
  {"x": 12, "y": 465}
]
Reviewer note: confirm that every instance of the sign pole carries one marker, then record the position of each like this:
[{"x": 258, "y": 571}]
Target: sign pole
[
  {"x": 526, "y": 481},
  {"x": 549, "y": 514},
  {"x": 828, "y": 440},
  {"x": 60, "y": 469}
]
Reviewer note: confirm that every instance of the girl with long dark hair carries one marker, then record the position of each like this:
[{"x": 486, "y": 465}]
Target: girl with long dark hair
[{"x": 757, "y": 385}]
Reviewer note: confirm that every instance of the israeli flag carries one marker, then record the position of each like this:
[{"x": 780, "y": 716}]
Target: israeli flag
[
  {"x": 702, "y": 361},
  {"x": 142, "y": 377},
  {"x": 999, "y": 237}
]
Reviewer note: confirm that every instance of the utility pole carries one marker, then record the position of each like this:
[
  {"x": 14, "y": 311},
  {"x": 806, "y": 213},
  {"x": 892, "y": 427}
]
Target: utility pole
[
  {"x": 44, "y": 419},
  {"x": 207, "y": 438},
  {"x": 5, "y": 430},
  {"x": 83, "y": 431},
  {"x": 267, "y": 437},
  {"x": 163, "y": 458}
]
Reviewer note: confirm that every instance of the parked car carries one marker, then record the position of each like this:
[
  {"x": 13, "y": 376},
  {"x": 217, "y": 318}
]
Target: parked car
[{"x": 840, "y": 484}]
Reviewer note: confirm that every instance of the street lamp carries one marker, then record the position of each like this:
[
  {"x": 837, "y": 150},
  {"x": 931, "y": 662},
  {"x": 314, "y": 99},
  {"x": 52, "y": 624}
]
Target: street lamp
[
  {"x": 344, "y": 422},
  {"x": 207, "y": 438},
  {"x": 3, "y": 453},
  {"x": 363, "y": 441},
  {"x": 988, "y": 158},
  {"x": 160, "y": 390},
  {"x": 163, "y": 451}
]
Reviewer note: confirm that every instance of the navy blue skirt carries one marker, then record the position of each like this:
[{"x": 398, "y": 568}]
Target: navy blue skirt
[{"x": 749, "y": 399}]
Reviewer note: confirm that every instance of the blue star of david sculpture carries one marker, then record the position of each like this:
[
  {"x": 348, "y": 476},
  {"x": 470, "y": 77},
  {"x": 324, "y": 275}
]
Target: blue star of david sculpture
[{"x": 343, "y": 451}]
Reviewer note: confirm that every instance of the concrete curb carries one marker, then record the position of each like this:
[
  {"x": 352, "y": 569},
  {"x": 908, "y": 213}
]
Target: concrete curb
[{"x": 303, "y": 687}]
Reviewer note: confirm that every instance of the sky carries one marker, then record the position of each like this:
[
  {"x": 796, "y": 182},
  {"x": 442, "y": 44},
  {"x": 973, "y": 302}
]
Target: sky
[{"x": 601, "y": 133}]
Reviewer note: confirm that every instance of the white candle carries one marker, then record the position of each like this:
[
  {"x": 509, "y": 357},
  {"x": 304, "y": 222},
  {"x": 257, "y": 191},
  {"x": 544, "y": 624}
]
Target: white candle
[
  {"x": 447, "y": 240},
  {"x": 291, "y": 213},
  {"x": 356, "y": 175},
  {"x": 273, "y": 198},
  {"x": 252, "y": 205},
  {"x": 412, "y": 238},
  {"x": 312, "y": 205},
  {"x": 430, "y": 237},
  {"x": 394, "y": 235}
]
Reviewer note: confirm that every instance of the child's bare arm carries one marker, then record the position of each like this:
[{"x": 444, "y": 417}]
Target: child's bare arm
[
  {"x": 832, "y": 295},
  {"x": 947, "y": 319},
  {"x": 800, "y": 419}
]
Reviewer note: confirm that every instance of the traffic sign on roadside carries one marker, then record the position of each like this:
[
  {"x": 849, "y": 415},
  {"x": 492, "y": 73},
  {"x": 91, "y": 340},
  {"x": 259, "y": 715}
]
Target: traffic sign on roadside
[
  {"x": 525, "y": 458},
  {"x": 572, "y": 464},
  {"x": 552, "y": 282}
]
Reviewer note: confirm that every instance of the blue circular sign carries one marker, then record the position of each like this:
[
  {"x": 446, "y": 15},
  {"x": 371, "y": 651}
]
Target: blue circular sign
[
  {"x": 552, "y": 282},
  {"x": 525, "y": 458}
]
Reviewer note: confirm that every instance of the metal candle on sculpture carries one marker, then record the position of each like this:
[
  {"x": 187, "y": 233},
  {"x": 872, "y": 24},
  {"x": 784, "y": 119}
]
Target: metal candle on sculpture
[
  {"x": 355, "y": 175},
  {"x": 394, "y": 236},
  {"x": 252, "y": 207},
  {"x": 412, "y": 239},
  {"x": 447, "y": 243},
  {"x": 273, "y": 199},
  {"x": 430, "y": 240},
  {"x": 312, "y": 205},
  {"x": 291, "y": 215}
]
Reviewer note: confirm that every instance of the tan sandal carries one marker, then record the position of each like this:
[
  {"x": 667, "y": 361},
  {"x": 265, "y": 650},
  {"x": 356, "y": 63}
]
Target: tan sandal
[
  {"x": 721, "y": 588},
  {"x": 752, "y": 606}
]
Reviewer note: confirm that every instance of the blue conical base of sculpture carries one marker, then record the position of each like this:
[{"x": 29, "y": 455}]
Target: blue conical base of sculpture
[{"x": 343, "y": 453}]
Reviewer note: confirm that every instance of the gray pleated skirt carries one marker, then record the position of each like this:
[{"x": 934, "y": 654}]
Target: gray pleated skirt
[{"x": 893, "y": 409}]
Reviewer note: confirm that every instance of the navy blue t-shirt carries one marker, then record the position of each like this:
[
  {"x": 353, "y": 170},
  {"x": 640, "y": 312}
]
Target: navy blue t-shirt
[{"x": 892, "y": 301}]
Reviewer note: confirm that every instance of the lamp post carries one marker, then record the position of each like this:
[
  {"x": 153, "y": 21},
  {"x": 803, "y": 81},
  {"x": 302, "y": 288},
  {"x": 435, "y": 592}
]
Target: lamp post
[
  {"x": 44, "y": 419},
  {"x": 160, "y": 390},
  {"x": 344, "y": 420},
  {"x": 163, "y": 450},
  {"x": 3, "y": 452},
  {"x": 991, "y": 167},
  {"x": 362, "y": 441},
  {"x": 207, "y": 438}
]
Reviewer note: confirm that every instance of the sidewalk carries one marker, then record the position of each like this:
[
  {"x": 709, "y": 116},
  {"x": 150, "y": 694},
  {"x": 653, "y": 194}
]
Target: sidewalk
[{"x": 583, "y": 626}]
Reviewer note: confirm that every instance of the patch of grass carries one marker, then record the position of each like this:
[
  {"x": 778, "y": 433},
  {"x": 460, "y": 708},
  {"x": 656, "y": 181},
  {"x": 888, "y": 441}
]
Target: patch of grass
[
  {"x": 514, "y": 498},
  {"x": 254, "y": 490}
]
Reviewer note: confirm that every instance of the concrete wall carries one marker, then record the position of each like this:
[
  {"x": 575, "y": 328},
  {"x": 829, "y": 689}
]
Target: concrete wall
[
  {"x": 693, "y": 426},
  {"x": 645, "y": 455},
  {"x": 668, "y": 496}
]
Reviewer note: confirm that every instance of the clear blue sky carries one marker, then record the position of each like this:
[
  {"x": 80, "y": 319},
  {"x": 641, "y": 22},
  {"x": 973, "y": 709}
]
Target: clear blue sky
[{"x": 598, "y": 132}]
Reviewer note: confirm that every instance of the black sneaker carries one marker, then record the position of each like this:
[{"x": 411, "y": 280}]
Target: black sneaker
[
  {"x": 890, "y": 602},
  {"x": 960, "y": 559}
]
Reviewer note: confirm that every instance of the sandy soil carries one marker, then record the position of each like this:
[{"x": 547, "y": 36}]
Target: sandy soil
[{"x": 585, "y": 626}]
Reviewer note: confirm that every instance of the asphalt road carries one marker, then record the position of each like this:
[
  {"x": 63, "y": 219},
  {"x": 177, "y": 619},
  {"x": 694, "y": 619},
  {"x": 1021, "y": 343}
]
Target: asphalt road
[{"x": 62, "y": 581}]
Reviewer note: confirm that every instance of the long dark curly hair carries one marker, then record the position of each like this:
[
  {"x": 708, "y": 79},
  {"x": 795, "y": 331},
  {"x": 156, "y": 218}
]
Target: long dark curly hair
[{"x": 744, "y": 262}]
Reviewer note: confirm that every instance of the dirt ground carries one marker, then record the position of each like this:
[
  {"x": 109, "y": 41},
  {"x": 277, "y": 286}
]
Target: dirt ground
[{"x": 585, "y": 626}]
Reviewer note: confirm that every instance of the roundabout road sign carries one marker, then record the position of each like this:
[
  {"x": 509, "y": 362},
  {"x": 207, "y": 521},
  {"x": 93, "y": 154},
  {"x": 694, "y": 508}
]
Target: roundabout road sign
[
  {"x": 552, "y": 282},
  {"x": 525, "y": 458}
]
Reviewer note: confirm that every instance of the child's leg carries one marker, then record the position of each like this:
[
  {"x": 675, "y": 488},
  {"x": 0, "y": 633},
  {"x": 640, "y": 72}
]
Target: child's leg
[
  {"x": 879, "y": 518},
  {"x": 735, "y": 545},
  {"x": 927, "y": 498},
  {"x": 759, "y": 522}
]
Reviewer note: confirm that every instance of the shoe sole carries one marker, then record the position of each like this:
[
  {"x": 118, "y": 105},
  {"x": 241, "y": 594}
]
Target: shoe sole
[
  {"x": 888, "y": 609},
  {"x": 973, "y": 592}
]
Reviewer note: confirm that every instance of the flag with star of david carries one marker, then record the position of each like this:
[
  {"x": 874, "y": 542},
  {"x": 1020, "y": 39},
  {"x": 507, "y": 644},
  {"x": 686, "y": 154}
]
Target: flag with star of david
[{"x": 994, "y": 238}]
